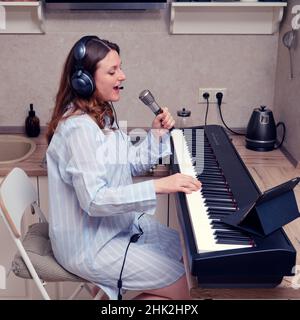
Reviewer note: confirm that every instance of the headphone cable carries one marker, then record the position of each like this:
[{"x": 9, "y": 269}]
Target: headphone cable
[{"x": 116, "y": 118}]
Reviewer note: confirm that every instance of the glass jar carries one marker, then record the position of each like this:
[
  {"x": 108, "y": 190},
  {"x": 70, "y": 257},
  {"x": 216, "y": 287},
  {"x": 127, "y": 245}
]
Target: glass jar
[{"x": 183, "y": 118}]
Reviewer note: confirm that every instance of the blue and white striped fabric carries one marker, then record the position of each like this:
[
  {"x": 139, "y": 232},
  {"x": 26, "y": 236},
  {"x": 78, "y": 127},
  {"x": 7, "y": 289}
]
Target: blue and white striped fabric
[{"x": 94, "y": 208}]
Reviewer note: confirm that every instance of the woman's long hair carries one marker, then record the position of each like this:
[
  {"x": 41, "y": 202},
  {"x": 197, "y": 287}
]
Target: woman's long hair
[{"x": 96, "y": 50}]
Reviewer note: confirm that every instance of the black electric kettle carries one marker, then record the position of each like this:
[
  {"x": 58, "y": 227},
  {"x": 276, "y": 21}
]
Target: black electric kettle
[{"x": 262, "y": 131}]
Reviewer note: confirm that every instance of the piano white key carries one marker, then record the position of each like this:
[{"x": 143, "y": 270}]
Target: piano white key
[{"x": 200, "y": 221}]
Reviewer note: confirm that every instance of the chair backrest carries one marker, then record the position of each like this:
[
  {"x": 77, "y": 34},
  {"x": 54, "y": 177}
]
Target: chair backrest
[{"x": 16, "y": 195}]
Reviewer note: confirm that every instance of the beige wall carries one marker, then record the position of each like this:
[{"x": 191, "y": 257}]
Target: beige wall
[
  {"x": 287, "y": 91},
  {"x": 173, "y": 67}
]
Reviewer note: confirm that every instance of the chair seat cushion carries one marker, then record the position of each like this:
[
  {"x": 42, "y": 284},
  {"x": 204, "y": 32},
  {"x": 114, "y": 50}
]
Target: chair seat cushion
[{"x": 38, "y": 247}]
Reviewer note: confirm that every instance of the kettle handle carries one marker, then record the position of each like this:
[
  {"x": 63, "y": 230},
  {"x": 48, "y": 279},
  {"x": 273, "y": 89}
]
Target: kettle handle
[{"x": 283, "y": 134}]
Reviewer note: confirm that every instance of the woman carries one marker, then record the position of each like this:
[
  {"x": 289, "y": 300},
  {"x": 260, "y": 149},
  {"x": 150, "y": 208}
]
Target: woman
[{"x": 95, "y": 210}]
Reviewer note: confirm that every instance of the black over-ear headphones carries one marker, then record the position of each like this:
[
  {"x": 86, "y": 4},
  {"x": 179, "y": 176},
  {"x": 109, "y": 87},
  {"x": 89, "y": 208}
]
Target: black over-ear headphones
[{"x": 82, "y": 81}]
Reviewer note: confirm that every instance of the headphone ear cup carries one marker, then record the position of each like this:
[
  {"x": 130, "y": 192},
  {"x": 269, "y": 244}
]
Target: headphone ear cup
[{"x": 83, "y": 83}]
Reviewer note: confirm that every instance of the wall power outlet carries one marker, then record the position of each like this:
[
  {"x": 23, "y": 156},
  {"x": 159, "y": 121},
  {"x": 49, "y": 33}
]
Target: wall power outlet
[{"x": 212, "y": 94}]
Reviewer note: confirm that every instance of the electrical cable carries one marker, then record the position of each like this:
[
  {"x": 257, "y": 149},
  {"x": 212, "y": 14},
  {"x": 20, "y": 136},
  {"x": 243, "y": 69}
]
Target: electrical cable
[
  {"x": 206, "y": 97},
  {"x": 219, "y": 97},
  {"x": 134, "y": 238}
]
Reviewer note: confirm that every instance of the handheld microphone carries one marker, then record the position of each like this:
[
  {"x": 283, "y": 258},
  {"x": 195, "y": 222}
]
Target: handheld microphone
[{"x": 147, "y": 98}]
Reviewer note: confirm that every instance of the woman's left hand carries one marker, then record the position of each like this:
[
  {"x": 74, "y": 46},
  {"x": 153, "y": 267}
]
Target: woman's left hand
[{"x": 163, "y": 122}]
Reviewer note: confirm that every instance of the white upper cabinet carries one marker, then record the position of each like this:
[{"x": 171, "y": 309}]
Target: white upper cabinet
[
  {"x": 226, "y": 17},
  {"x": 21, "y": 17}
]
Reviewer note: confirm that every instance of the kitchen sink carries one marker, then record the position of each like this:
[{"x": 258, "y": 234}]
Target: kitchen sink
[{"x": 14, "y": 148}]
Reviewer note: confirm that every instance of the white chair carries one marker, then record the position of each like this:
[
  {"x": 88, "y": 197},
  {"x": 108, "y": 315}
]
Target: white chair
[{"x": 35, "y": 259}]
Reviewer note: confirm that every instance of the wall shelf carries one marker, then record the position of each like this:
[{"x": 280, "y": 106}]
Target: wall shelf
[
  {"x": 21, "y": 17},
  {"x": 226, "y": 17}
]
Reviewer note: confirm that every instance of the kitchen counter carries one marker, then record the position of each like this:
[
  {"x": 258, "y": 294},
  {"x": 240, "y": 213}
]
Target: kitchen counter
[{"x": 35, "y": 166}]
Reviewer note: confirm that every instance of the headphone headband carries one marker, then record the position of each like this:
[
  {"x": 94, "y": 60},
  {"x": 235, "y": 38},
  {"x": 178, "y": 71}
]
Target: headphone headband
[{"x": 80, "y": 47}]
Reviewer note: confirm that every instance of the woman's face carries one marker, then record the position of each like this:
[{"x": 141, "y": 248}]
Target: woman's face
[{"x": 109, "y": 76}]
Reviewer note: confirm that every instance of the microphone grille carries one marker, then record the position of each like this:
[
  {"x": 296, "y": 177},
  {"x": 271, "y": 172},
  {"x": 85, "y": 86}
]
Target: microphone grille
[{"x": 146, "y": 97}]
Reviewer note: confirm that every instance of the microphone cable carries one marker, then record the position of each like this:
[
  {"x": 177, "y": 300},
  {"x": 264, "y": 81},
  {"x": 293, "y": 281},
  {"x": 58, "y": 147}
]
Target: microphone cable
[{"x": 134, "y": 238}]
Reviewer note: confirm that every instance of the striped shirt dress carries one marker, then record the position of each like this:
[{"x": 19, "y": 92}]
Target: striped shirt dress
[{"x": 94, "y": 208}]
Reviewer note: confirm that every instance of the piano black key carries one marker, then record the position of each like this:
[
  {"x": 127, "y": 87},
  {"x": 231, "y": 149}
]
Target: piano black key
[
  {"x": 209, "y": 164},
  {"x": 233, "y": 241},
  {"x": 210, "y": 167},
  {"x": 230, "y": 233},
  {"x": 217, "y": 211},
  {"x": 212, "y": 180},
  {"x": 220, "y": 225},
  {"x": 223, "y": 209},
  {"x": 216, "y": 216},
  {"x": 214, "y": 188},
  {"x": 211, "y": 176},
  {"x": 219, "y": 191},
  {"x": 211, "y": 170},
  {"x": 201, "y": 176},
  {"x": 217, "y": 176},
  {"x": 210, "y": 157},
  {"x": 219, "y": 204},
  {"x": 219, "y": 199},
  {"x": 214, "y": 173},
  {"x": 220, "y": 194},
  {"x": 207, "y": 152},
  {"x": 212, "y": 183}
]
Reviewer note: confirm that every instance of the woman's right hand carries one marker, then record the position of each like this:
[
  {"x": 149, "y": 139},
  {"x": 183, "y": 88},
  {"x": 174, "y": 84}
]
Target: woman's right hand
[{"x": 177, "y": 183}]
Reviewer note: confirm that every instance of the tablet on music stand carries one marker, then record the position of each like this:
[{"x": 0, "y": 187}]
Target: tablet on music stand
[{"x": 273, "y": 209}]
